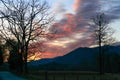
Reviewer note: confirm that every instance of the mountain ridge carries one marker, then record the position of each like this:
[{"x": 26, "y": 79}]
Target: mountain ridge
[{"x": 80, "y": 59}]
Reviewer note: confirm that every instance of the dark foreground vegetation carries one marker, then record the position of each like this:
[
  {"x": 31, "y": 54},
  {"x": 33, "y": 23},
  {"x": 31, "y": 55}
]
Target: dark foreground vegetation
[
  {"x": 69, "y": 75},
  {"x": 63, "y": 75}
]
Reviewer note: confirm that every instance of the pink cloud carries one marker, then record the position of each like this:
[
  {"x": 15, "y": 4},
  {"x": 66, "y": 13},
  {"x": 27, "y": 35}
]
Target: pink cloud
[{"x": 76, "y": 5}]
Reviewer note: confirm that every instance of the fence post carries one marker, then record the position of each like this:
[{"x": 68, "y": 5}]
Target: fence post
[
  {"x": 46, "y": 75},
  {"x": 78, "y": 77},
  {"x": 54, "y": 77},
  {"x": 64, "y": 76},
  {"x": 116, "y": 78}
]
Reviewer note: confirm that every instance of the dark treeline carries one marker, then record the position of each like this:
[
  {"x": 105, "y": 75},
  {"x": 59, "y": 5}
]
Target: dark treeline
[{"x": 14, "y": 61}]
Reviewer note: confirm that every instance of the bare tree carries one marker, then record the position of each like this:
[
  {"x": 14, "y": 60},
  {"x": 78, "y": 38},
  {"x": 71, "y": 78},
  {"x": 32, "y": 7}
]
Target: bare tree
[
  {"x": 25, "y": 21},
  {"x": 103, "y": 34}
]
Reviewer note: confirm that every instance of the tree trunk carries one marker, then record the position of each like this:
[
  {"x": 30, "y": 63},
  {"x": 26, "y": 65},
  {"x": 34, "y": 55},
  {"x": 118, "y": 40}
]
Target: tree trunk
[
  {"x": 25, "y": 57},
  {"x": 19, "y": 49},
  {"x": 100, "y": 57},
  {"x": 25, "y": 65},
  {"x": 21, "y": 64}
]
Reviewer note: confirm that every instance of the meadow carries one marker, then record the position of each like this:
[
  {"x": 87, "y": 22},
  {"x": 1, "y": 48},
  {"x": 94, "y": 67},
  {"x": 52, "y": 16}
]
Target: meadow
[
  {"x": 69, "y": 75},
  {"x": 64, "y": 75}
]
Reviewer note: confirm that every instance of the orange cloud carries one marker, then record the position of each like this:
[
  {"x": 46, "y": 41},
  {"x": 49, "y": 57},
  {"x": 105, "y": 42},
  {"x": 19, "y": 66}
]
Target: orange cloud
[
  {"x": 59, "y": 35},
  {"x": 50, "y": 55},
  {"x": 67, "y": 29},
  {"x": 76, "y": 5}
]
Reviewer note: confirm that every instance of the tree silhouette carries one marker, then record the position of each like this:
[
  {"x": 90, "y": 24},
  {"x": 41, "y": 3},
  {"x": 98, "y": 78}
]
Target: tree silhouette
[
  {"x": 103, "y": 36},
  {"x": 14, "y": 60},
  {"x": 25, "y": 21},
  {"x": 1, "y": 55}
]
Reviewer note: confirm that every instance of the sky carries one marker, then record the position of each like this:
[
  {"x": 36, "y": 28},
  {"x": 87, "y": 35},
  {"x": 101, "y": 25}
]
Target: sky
[
  {"x": 73, "y": 19},
  {"x": 73, "y": 24}
]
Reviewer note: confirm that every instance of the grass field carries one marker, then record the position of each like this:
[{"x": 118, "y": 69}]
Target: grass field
[
  {"x": 70, "y": 75},
  {"x": 64, "y": 75}
]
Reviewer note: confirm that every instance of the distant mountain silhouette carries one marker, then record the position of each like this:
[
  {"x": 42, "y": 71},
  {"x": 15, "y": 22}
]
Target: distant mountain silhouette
[
  {"x": 83, "y": 59},
  {"x": 116, "y": 44}
]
